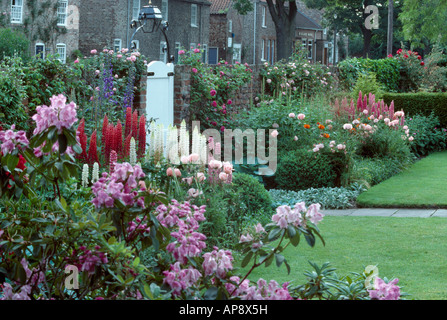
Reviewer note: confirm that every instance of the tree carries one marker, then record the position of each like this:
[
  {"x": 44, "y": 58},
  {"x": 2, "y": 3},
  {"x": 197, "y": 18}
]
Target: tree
[
  {"x": 283, "y": 13},
  {"x": 351, "y": 16},
  {"x": 424, "y": 20}
]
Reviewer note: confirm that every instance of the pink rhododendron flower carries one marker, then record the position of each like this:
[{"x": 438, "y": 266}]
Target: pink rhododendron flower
[
  {"x": 94, "y": 51},
  {"x": 213, "y": 92},
  {"x": 12, "y": 140},
  {"x": 300, "y": 116},
  {"x": 385, "y": 291}
]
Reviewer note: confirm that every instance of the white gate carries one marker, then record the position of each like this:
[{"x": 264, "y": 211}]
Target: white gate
[{"x": 160, "y": 93}]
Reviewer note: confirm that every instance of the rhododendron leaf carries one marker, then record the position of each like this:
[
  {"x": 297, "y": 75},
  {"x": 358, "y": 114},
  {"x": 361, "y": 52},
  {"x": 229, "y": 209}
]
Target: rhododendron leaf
[
  {"x": 279, "y": 259},
  {"x": 295, "y": 240},
  {"x": 63, "y": 143},
  {"x": 291, "y": 231},
  {"x": 310, "y": 238},
  {"x": 12, "y": 162},
  {"x": 77, "y": 148},
  {"x": 211, "y": 293},
  {"x": 269, "y": 260},
  {"x": 274, "y": 234},
  {"x": 247, "y": 259}
]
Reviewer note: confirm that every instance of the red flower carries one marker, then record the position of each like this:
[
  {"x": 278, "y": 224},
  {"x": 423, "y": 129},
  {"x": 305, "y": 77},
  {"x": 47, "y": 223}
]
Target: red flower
[
  {"x": 127, "y": 145},
  {"x": 118, "y": 135},
  {"x": 419, "y": 58},
  {"x": 142, "y": 137},
  {"x": 405, "y": 56},
  {"x": 93, "y": 150},
  {"x": 105, "y": 126},
  {"x": 135, "y": 125},
  {"x": 80, "y": 132},
  {"x": 422, "y": 63}
]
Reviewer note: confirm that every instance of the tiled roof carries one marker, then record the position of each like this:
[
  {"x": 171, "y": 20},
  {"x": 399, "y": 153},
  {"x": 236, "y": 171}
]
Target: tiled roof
[
  {"x": 218, "y": 6},
  {"x": 303, "y": 21}
]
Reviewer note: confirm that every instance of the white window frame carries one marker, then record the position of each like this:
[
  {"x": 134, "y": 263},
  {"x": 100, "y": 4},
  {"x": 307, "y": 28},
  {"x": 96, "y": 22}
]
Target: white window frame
[
  {"x": 62, "y": 6},
  {"x": 135, "y": 9},
  {"x": 263, "y": 50},
  {"x": 264, "y": 25},
  {"x": 310, "y": 52},
  {"x": 117, "y": 45},
  {"x": 165, "y": 9},
  {"x": 137, "y": 45},
  {"x": 194, "y": 13},
  {"x": 62, "y": 58},
  {"x": 16, "y": 11},
  {"x": 237, "y": 52},
  {"x": 205, "y": 53},
  {"x": 43, "y": 50},
  {"x": 230, "y": 26},
  {"x": 163, "y": 53}
]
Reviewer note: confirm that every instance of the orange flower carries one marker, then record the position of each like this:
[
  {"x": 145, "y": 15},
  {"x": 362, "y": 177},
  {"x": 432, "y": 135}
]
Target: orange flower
[
  {"x": 306, "y": 126},
  {"x": 321, "y": 127},
  {"x": 326, "y": 135}
]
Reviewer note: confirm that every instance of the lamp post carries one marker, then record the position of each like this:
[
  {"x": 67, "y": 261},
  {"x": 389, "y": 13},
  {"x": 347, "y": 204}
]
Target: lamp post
[
  {"x": 150, "y": 20},
  {"x": 335, "y": 40}
]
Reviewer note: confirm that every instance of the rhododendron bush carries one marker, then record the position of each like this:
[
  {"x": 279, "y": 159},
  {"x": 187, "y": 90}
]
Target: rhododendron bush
[{"x": 90, "y": 245}]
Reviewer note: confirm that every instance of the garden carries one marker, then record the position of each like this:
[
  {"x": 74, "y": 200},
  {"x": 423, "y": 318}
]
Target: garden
[{"x": 96, "y": 204}]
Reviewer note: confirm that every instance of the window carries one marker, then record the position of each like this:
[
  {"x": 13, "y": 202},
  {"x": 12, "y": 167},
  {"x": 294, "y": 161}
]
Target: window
[
  {"x": 263, "y": 50},
  {"x": 213, "y": 56},
  {"x": 263, "y": 17},
  {"x": 40, "y": 50},
  {"x": 117, "y": 45},
  {"x": 164, "y": 9},
  {"x": 204, "y": 53},
  {"x": 61, "y": 51},
  {"x": 135, "y": 9},
  {"x": 272, "y": 52},
  {"x": 309, "y": 47},
  {"x": 230, "y": 26},
  {"x": 16, "y": 11},
  {"x": 163, "y": 51},
  {"x": 135, "y": 45},
  {"x": 177, "y": 47},
  {"x": 269, "y": 44},
  {"x": 237, "y": 51},
  {"x": 62, "y": 12},
  {"x": 193, "y": 15}
]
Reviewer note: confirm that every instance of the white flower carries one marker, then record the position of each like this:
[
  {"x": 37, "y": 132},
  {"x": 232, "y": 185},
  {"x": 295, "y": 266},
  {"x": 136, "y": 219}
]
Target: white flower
[{"x": 85, "y": 176}]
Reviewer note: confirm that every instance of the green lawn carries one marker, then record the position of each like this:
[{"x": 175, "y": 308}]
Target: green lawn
[
  {"x": 424, "y": 184},
  {"x": 411, "y": 249}
]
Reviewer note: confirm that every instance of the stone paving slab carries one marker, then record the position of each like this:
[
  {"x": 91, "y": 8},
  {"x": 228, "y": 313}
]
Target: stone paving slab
[
  {"x": 421, "y": 213},
  {"x": 440, "y": 213},
  {"x": 374, "y": 212},
  {"x": 338, "y": 212}
]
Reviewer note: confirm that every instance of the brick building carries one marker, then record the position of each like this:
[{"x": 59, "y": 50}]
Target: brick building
[
  {"x": 52, "y": 26},
  {"x": 107, "y": 24},
  {"x": 252, "y": 38},
  {"x": 246, "y": 38}
]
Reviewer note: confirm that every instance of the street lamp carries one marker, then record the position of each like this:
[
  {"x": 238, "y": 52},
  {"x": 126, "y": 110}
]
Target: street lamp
[
  {"x": 149, "y": 20},
  {"x": 335, "y": 40}
]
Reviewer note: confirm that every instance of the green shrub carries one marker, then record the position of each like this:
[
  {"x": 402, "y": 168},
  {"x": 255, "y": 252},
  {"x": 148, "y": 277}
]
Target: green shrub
[
  {"x": 252, "y": 192},
  {"x": 304, "y": 169},
  {"x": 367, "y": 83},
  {"x": 369, "y": 171},
  {"x": 13, "y": 43},
  {"x": 422, "y": 103},
  {"x": 427, "y": 133},
  {"x": 387, "y": 71},
  {"x": 384, "y": 143},
  {"x": 11, "y": 108}
]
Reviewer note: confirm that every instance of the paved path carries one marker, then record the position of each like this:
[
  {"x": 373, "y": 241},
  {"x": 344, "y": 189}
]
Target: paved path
[{"x": 379, "y": 212}]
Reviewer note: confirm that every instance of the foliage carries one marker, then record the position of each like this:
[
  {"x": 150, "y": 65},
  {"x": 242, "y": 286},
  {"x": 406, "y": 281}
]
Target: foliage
[
  {"x": 329, "y": 198},
  {"x": 303, "y": 169},
  {"x": 367, "y": 83},
  {"x": 11, "y": 97},
  {"x": 297, "y": 76},
  {"x": 212, "y": 88},
  {"x": 386, "y": 70},
  {"x": 252, "y": 193},
  {"x": 411, "y": 70},
  {"x": 428, "y": 135},
  {"x": 422, "y": 103},
  {"x": 13, "y": 44}
]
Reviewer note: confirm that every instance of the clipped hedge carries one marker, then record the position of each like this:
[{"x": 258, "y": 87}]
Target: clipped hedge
[{"x": 422, "y": 103}]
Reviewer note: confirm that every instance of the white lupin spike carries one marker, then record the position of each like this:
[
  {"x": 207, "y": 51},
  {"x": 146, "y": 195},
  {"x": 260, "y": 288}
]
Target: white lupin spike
[
  {"x": 85, "y": 175},
  {"x": 152, "y": 139},
  {"x": 133, "y": 152},
  {"x": 184, "y": 140},
  {"x": 159, "y": 139},
  {"x": 172, "y": 145},
  {"x": 203, "y": 150},
  {"x": 95, "y": 172}
]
